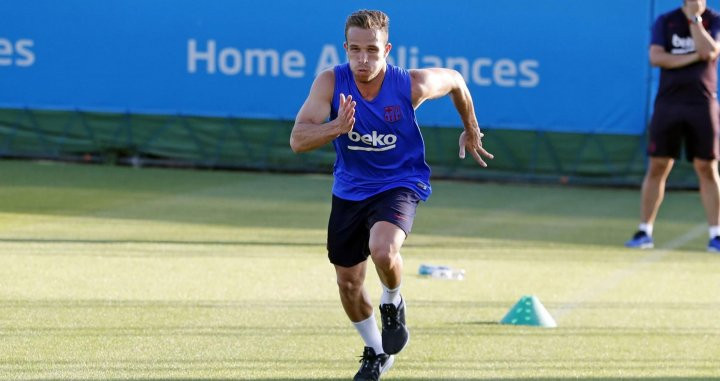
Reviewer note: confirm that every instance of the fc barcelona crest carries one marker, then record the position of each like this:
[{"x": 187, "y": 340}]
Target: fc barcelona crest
[{"x": 392, "y": 113}]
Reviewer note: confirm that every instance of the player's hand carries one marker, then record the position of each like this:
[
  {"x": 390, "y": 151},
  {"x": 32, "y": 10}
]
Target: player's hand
[
  {"x": 346, "y": 114},
  {"x": 471, "y": 142}
]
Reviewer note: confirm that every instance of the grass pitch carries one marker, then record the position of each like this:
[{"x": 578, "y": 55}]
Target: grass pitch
[{"x": 118, "y": 273}]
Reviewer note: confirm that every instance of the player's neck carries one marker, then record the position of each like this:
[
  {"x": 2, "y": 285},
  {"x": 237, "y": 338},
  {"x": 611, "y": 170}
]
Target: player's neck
[{"x": 370, "y": 89}]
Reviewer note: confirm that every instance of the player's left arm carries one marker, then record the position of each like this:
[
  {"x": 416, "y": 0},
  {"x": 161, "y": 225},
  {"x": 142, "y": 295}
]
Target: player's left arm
[
  {"x": 434, "y": 83},
  {"x": 706, "y": 42}
]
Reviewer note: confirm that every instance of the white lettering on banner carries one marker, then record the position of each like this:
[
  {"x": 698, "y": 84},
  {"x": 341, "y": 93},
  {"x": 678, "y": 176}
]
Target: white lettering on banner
[
  {"x": 328, "y": 58},
  {"x": 477, "y": 71},
  {"x": 504, "y": 73},
  {"x": 262, "y": 56},
  {"x": 374, "y": 142},
  {"x": 232, "y": 61},
  {"x": 531, "y": 77},
  {"x": 18, "y": 54},
  {"x": 194, "y": 56},
  {"x": 210, "y": 58},
  {"x": 480, "y": 71},
  {"x": 293, "y": 63}
]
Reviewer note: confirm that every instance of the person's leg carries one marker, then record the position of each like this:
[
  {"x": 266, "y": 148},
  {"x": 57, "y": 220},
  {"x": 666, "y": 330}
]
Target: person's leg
[
  {"x": 354, "y": 298},
  {"x": 707, "y": 172},
  {"x": 347, "y": 246},
  {"x": 386, "y": 239},
  {"x": 347, "y": 250},
  {"x": 357, "y": 306},
  {"x": 665, "y": 137},
  {"x": 704, "y": 149},
  {"x": 652, "y": 194},
  {"x": 653, "y": 188},
  {"x": 391, "y": 222}
]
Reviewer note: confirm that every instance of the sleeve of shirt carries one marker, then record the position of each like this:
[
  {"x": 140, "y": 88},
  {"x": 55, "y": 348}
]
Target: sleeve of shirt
[
  {"x": 658, "y": 32},
  {"x": 715, "y": 27}
]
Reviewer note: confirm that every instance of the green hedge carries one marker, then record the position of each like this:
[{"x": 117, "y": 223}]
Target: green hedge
[{"x": 263, "y": 145}]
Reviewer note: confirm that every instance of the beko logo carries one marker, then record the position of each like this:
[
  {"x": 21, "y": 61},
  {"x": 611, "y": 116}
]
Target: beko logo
[
  {"x": 372, "y": 142},
  {"x": 682, "y": 45}
]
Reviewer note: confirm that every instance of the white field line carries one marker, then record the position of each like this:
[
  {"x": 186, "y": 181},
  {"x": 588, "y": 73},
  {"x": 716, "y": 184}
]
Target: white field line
[{"x": 612, "y": 281}]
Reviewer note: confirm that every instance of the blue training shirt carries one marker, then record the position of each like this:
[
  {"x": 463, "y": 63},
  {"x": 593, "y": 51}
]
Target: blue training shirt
[
  {"x": 694, "y": 83},
  {"x": 385, "y": 149}
]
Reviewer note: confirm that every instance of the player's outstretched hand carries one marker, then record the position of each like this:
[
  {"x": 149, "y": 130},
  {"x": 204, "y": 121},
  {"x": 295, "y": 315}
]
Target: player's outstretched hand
[
  {"x": 472, "y": 143},
  {"x": 346, "y": 114}
]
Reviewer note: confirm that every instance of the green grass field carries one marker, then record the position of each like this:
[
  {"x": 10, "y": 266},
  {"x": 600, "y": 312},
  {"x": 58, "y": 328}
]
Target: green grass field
[{"x": 121, "y": 273}]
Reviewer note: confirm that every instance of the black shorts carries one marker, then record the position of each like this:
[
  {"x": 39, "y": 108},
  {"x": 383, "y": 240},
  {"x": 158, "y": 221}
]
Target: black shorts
[
  {"x": 698, "y": 125},
  {"x": 350, "y": 222}
]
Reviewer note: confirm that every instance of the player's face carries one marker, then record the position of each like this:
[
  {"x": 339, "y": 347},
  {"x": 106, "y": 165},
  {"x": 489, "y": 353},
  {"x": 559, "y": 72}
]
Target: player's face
[
  {"x": 701, "y": 4},
  {"x": 367, "y": 50}
]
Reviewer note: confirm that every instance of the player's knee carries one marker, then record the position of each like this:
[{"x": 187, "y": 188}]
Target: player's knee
[
  {"x": 349, "y": 285},
  {"x": 658, "y": 169},
  {"x": 384, "y": 256},
  {"x": 705, "y": 169}
]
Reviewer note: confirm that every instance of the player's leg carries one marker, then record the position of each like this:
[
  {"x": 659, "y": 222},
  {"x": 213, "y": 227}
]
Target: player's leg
[
  {"x": 347, "y": 246},
  {"x": 653, "y": 187},
  {"x": 704, "y": 149},
  {"x": 651, "y": 196},
  {"x": 665, "y": 139},
  {"x": 357, "y": 306},
  {"x": 392, "y": 218},
  {"x": 386, "y": 239},
  {"x": 353, "y": 297},
  {"x": 356, "y": 303},
  {"x": 707, "y": 172}
]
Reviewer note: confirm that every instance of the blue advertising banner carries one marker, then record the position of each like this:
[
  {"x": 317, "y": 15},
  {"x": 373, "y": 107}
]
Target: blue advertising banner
[{"x": 556, "y": 65}]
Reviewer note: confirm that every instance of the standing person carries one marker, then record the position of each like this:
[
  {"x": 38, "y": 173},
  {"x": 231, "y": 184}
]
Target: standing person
[
  {"x": 685, "y": 46},
  {"x": 380, "y": 173}
]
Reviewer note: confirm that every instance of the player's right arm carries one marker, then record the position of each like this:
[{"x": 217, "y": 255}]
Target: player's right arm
[
  {"x": 311, "y": 130},
  {"x": 661, "y": 58}
]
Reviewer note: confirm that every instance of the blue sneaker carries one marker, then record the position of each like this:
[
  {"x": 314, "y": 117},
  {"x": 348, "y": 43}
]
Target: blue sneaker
[
  {"x": 641, "y": 240},
  {"x": 714, "y": 245}
]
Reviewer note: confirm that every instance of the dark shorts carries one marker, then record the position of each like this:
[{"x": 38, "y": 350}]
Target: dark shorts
[
  {"x": 350, "y": 222},
  {"x": 698, "y": 125}
]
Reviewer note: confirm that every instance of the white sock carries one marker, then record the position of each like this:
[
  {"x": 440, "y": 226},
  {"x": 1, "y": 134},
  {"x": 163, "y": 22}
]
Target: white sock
[
  {"x": 714, "y": 231},
  {"x": 390, "y": 295},
  {"x": 370, "y": 333},
  {"x": 647, "y": 228}
]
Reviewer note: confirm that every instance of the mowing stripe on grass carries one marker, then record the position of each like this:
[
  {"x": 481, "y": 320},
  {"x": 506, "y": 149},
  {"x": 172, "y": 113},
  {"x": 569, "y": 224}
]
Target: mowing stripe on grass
[{"x": 612, "y": 281}]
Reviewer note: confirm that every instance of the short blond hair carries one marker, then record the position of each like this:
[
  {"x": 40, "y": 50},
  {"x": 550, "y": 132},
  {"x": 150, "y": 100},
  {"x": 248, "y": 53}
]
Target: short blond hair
[{"x": 368, "y": 19}]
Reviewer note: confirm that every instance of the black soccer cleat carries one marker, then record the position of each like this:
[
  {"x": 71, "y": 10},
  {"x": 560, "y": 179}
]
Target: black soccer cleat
[
  {"x": 395, "y": 334},
  {"x": 372, "y": 365}
]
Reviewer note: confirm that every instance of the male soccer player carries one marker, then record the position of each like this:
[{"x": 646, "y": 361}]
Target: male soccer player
[
  {"x": 380, "y": 173},
  {"x": 685, "y": 47}
]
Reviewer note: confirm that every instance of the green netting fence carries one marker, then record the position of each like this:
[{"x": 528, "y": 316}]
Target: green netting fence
[{"x": 247, "y": 144}]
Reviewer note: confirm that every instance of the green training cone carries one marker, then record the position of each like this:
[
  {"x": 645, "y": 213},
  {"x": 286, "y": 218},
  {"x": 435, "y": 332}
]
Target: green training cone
[{"x": 529, "y": 311}]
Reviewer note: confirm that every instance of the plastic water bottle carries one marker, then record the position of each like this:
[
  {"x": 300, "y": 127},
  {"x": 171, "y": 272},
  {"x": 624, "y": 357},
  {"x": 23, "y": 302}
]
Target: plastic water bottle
[{"x": 441, "y": 272}]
